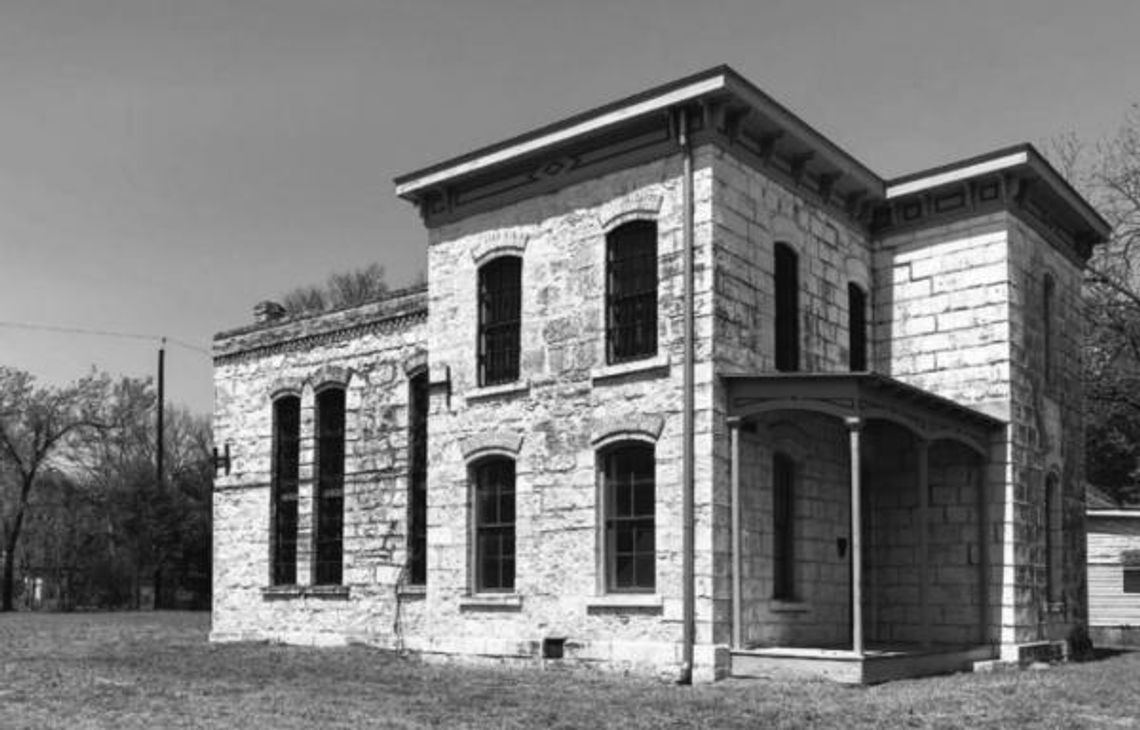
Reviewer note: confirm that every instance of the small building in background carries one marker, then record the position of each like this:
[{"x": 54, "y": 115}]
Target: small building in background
[{"x": 1114, "y": 570}]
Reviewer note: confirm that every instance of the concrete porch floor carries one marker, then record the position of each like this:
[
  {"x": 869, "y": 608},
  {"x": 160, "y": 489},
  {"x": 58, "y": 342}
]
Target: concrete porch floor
[{"x": 882, "y": 663}]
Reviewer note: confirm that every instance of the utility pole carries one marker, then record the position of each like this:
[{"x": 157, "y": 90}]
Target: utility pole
[{"x": 159, "y": 452}]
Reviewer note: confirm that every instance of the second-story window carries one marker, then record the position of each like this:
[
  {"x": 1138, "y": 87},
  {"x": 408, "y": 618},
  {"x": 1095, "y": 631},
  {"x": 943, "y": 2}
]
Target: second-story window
[
  {"x": 631, "y": 292},
  {"x": 857, "y": 328},
  {"x": 787, "y": 287},
  {"x": 500, "y": 307},
  {"x": 328, "y": 567}
]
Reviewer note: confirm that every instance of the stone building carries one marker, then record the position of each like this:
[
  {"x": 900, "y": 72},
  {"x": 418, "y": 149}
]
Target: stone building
[{"x": 690, "y": 392}]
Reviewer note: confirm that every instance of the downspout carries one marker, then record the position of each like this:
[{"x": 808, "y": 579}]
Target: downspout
[{"x": 687, "y": 549}]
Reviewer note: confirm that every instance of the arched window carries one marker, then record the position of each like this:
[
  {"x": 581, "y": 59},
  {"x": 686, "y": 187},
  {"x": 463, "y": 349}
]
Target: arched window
[
  {"x": 494, "y": 524},
  {"x": 783, "y": 527},
  {"x": 787, "y": 288},
  {"x": 1048, "y": 333},
  {"x": 631, "y": 292},
  {"x": 417, "y": 478},
  {"x": 329, "y": 563},
  {"x": 500, "y": 313},
  {"x": 1054, "y": 539},
  {"x": 856, "y": 328},
  {"x": 628, "y": 473},
  {"x": 286, "y": 459}
]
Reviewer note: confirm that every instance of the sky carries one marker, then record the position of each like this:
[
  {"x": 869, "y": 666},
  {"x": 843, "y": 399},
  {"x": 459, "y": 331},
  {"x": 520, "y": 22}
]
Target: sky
[{"x": 166, "y": 164}]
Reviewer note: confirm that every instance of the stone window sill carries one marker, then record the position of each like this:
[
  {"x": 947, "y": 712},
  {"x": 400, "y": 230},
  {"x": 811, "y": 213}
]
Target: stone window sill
[
  {"x": 277, "y": 592},
  {"x": 502, "y": 601},
  {"x": 504, "y": 390},
  {"x": 660, "y": 361},
  {"x": 411, "y": 591},
  {"x": 625, "y": 600},
  {"x": 778, "y": 606}
]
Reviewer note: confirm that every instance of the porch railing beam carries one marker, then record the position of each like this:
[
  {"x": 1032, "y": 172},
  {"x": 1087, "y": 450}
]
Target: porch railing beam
[{"x": 855, "y": 428}]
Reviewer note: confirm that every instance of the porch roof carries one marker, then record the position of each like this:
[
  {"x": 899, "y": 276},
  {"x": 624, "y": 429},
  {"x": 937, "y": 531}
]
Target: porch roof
[{"x": 862, "y": 396}]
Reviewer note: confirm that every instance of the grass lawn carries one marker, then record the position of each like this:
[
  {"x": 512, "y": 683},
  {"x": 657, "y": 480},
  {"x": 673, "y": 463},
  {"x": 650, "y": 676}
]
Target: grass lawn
[{"x": 157, "y": 671}]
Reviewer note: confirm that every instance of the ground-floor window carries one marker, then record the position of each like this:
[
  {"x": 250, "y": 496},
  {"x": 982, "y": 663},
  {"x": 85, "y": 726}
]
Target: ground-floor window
[
  {"x": 783, "y": 527},
  {"x": 629, "y": 493},
  {"x": 494, "y": 524}
]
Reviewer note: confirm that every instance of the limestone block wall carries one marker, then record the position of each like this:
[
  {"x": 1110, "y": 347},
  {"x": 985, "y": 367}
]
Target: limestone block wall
[
  {"x": 819, "y": 615},
  {"x": 752, "y": 212},
  {"x": 370, "y": 349},
  {"x": 1047, "y": 434},
  {"x": 957, "y": 311},
  {"x": 566, "y": 403}
]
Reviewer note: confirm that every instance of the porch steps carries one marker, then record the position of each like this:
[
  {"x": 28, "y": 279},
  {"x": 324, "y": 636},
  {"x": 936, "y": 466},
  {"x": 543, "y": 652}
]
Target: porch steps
[{"x": 874, "y": 666}]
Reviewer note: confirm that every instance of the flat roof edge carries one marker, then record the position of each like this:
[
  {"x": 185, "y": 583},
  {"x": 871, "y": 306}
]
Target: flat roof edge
[
  {"x": 656, "y": 98},
  {"x": 1023, "y": 155}
]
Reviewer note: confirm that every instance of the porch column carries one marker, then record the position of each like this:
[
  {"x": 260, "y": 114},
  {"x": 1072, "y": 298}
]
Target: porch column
[
  {"x": 855, "y": 428},
  {"x": 734, "y": 449},
  {"x": 923, "y": 453}
]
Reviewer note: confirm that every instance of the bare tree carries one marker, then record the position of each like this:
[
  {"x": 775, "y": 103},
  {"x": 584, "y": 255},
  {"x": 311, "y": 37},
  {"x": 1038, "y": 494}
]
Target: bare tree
[
  {"x": 347, "y": 289},
  {"x": 36, "y": 424},
  {"x": 1108, "y": 174}
]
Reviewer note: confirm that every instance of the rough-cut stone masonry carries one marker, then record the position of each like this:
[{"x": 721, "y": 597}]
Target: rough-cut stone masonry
[
  {"x": 954, "y": 270},
  {"x": 370, "y": 350},
  {"x": 566, "y": 401}
]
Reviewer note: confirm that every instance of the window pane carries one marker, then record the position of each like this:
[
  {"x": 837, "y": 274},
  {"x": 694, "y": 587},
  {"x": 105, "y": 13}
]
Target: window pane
[
  {"x": 286, "y": 457},
  {"x": 631, "y": 291},
  {"x": 630, "y": 501},
  {"x": 494, "y": 524},
  {"x": 500, "y": 311},
  {"x": 330, "y": 486},
  {"x": 417, "y": 479}
]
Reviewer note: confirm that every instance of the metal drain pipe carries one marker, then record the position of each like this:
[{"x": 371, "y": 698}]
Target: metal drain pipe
[{"x": 687, "y": 548}]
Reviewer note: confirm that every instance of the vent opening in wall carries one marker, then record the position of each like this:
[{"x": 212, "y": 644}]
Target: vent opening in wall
[{"x": 553, "y": 647}]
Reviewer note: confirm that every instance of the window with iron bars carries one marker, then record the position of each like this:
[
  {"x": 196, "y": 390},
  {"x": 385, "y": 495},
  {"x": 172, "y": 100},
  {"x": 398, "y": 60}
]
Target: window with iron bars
[
  {"x": 328, "y": 567},
  {"x": 500, "y": 306},
  {"x": 494, "y": 524},
  {"x": 628, "y": 474},
  {"x": 286, "y": 458},
  {"x": 631, "y": 292}
]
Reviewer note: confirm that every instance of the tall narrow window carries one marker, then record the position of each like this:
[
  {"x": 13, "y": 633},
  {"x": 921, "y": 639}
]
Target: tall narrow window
[
  {"x": 1054, "y": 538},
  {"x": 500, "y": 308},
  {"x": 783, "y": 527},
  {"x": 494, "y": 524},
  {"x": 787, "y": 309},
  {"x": 417, "y": 478},
  {"x": 1048, "y": 334},
  {"x": 286, "y": 457},
  {"x": 631, "y": 292},
  {"x": 330, "y": 487},
  {"x": 857, "y": 327},
  {"x": 630, "y": 503}
]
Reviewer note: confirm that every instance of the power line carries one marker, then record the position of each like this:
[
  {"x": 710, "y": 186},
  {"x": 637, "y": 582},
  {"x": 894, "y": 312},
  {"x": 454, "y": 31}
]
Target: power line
[{"x": 104, "y": 333}]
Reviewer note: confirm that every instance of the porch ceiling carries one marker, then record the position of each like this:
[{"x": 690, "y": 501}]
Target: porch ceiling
[{"x": 861, "y": 396}]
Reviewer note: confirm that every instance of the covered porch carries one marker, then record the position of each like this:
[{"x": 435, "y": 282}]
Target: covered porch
[{"x": 862, "y": 528}]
